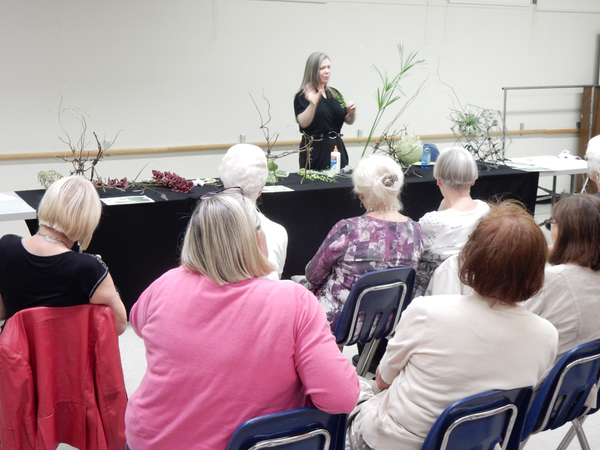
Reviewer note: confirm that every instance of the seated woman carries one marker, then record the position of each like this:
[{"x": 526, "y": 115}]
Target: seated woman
[
  {"x": 223, "y": 345},
  {"x": 42, "y": 270},
  {"x": 592, "y": 155},
  {"x": 569, "y": 298},
  {"x": 379, "y": 239},
  {"x": 448, "y": 347},
  {"x": 446, "y": 230}
]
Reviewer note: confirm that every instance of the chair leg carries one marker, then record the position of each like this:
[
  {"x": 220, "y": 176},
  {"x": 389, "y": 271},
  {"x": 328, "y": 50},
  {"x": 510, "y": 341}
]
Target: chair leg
[
  {"x": 366, "y": 357},
  {"x": 564, "y": 444},
  {"x": 577, "y": 424}
]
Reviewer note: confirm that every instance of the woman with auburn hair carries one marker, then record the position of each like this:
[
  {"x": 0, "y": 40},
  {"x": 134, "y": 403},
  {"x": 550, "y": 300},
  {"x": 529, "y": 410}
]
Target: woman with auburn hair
[
  {"x": 42, "y": 270},
  {"x": 569, "y": 298},
  {"x": 447, "y": 347},
  {"x": 223, "y": 345},
  {"x": 379, "y": 239},
  {"x": 321, "y": 111}
]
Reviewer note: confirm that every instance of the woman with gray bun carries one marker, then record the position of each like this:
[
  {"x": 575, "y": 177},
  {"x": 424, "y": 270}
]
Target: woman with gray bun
[{"x": 379, "y": 239}]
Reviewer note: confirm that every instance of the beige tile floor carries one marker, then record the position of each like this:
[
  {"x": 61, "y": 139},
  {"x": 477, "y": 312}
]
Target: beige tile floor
[{"x": 134, "y": 366}]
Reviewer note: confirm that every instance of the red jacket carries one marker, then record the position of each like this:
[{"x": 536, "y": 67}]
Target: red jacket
[{"x": 61, "y": 380}]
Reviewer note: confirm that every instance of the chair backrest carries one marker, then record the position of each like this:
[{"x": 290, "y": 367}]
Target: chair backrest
[
  {"x": 374, "y": 305},
  {"x": 481, "y": 421},
  {"x": 306, "y": 428},
  {"x": 563, "y": 395}
]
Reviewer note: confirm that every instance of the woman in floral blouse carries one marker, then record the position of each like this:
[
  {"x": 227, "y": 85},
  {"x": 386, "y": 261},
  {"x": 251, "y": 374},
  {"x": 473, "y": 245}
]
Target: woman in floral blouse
[{"x": 379, "y": 239}]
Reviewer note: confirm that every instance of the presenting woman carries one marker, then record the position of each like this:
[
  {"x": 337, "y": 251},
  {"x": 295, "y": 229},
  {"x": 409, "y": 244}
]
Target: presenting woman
[
  {"x": 448, "y": 347},
  {"x": 379, "y": 239},
  {"x": 321, "y": 111},
  {"x": 223, "y": 345},
  {"x": 42, "y": 270},
  {"x": 569, "y": 298}
]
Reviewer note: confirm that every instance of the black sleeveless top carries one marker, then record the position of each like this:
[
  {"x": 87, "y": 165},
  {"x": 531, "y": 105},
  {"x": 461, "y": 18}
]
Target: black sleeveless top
[{"x": 28, "y": 280}]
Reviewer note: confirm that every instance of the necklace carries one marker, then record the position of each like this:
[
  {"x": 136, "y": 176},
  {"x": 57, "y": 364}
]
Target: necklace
[
  {"x": 52, "y": 239},
  {"x": 389, "y": 208}
]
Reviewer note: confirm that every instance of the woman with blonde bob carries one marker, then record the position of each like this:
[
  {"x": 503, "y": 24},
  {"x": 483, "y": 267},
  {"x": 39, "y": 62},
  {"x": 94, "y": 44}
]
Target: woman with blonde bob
[
  {"x": 223, "y": 345},
  {"x": 446, "y": 230},
  {"x": 42, "y": 270},
  {"x": 448, "y": 347},
  {"x": 379, "y": 239},
  {"x": 569, "y": 298}
]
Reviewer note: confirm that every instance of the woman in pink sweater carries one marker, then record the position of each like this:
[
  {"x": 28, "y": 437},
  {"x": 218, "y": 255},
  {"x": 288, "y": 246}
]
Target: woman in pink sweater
[{"x": 224, "y": 345}]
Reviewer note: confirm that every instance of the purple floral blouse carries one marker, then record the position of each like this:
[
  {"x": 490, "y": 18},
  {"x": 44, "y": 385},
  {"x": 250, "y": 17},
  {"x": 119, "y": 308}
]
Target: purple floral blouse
[{"x": 354, "y": 247}]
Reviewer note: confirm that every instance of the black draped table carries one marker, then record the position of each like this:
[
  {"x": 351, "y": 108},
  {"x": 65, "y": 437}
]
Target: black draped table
[{"x": 139, "y": 242}]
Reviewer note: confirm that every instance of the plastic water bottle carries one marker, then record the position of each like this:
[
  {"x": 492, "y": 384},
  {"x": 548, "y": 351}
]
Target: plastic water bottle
[
  {"x": 426, "y": 157},
  {"x": 336, "y": 160}
]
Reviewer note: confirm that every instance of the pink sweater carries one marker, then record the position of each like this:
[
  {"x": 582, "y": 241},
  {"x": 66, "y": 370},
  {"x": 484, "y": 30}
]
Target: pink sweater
[{"x": 218, "y": 356}]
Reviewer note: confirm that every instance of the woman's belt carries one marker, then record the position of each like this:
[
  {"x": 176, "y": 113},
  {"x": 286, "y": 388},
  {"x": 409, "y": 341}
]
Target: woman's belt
[{"x": 320, "y": 137}]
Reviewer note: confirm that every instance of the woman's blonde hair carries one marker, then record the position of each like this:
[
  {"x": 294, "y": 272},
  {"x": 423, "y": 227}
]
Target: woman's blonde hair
[
  {"x": 379, "y": 179},
  {"x": 71, "y": 206},
  {"x": 220, "y": 241}
]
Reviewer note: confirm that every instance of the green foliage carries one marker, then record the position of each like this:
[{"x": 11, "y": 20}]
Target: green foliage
[{"x": 390, "y": 90}]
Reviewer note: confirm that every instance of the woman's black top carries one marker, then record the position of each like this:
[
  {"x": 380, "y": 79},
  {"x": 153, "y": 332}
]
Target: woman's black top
[
  {"x": 28, "y": 280},
  {"x": 325, "y": 130}
]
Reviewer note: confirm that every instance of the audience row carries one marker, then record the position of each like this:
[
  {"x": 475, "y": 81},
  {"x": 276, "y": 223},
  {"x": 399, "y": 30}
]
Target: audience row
[{"x": 226, "y": 340}]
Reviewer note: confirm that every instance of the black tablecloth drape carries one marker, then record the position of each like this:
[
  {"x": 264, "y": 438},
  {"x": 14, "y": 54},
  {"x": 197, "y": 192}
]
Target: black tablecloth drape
[{"x": 139, "y": 242}]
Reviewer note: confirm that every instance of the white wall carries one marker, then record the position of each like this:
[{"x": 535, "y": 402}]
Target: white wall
[{"x": 181, "y": 72}]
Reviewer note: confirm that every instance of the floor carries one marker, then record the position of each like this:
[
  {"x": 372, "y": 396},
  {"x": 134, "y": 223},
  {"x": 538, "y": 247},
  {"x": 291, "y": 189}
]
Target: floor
[{"x": 134, "y": 366}]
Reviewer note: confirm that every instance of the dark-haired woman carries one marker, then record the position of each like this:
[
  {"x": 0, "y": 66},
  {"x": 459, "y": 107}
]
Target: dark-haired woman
[{"x": 570, "y": 296}]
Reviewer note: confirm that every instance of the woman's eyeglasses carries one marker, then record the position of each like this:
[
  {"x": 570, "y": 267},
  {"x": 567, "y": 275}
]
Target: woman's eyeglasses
[
  {"x": 548, "y": 223},
  {"x": 232, "y": 189}
]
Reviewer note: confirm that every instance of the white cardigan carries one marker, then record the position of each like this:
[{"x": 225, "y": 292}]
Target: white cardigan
[{"x": 448, "y": 347}]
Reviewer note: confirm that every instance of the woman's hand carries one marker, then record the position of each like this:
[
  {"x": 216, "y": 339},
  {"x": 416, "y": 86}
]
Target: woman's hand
[
  {"x": 382, "y": 385},
  {"x": 350, "y": 113},
  {"x": 313, "y": 96}
]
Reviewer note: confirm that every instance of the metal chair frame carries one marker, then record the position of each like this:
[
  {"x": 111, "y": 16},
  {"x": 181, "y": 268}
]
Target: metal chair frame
[
  {"x": 556, "y": 386},
  {"x": 302, "y": 428},
  {"x": 269, "y": 443},
  {"x": 378, "y": 328},
  {"x": 498, "y": 416},
  {"x": 482, "y": 415}
]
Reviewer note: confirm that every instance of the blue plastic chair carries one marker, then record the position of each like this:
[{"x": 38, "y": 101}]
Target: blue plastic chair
[
  {"x": 306, "y": 428},
  {"x": 481, "y": 421},
  {"x": 373, "y": 308},
  {"x": 562, "y": 396}
]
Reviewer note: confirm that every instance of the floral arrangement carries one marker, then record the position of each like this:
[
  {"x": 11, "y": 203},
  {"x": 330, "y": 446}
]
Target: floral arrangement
[
  {"x": 409, "y": 150},
  {"x": 173, "y": 181}
]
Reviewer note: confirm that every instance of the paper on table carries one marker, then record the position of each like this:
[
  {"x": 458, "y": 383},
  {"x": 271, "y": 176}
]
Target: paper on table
[
  {"x": 274, "y": 188},
  {"x": 128, "y": 200}
]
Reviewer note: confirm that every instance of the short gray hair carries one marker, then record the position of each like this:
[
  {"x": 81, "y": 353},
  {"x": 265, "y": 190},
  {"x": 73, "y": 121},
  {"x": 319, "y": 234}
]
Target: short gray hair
[
  {"x": 245, "y": 165},
  {"x": 220, "y": 241},
  {"x": 456, "y": 167},
  {"x": 592, "y": 155},
  {"x": 71, "y": 206},
  {"x": 379, "y": 179}
]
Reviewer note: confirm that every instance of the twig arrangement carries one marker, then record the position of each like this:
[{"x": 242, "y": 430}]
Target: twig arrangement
[
  {"x": 479, "y": 130},
  {"x": 83, "y": 161}
]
